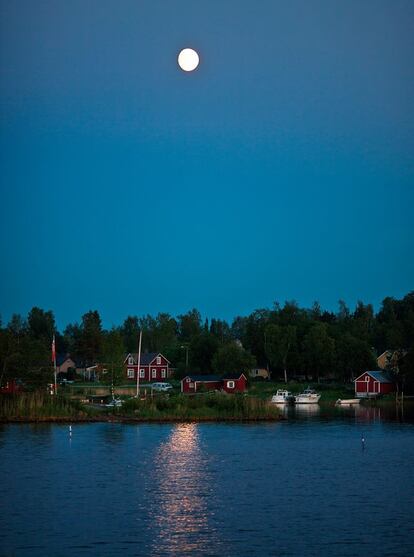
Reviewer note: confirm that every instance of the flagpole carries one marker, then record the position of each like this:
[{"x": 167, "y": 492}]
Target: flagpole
[
  {"x": 54, "y": 361},
  {"x": 139, "y": 360}
]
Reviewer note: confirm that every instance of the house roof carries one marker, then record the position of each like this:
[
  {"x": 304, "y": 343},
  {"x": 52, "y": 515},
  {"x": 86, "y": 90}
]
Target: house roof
[
  {"x": 204, "y": 378},
  {"x": 381, "y": 376},
  {"x": 215, "y": 378},
  {"x": 61, "y": 358},
  {"x": 146, "y": 357},
  {"x": 232, "y": 376}
]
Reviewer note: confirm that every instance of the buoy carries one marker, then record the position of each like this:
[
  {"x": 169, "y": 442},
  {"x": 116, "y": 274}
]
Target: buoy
[{"x": 70, "y": 431}]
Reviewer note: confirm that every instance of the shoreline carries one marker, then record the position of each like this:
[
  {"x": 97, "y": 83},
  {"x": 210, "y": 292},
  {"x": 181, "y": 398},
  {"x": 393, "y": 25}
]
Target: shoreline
[{"x": 132, "y": 420}]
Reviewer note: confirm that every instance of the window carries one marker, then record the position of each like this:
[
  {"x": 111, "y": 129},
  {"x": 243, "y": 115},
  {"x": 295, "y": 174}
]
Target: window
[
  {"x": 131, "y": 361},
  {"x": 142, "y": 373},
  {"x": 154, "y": 373},
  {"x": 367, "y": 378},
  {"x": 158, "y": 360},
  {"x": 130, "y": 373},
  {"x": 230, "y": 384},
  {"x": 188, "y": 380},
  {"x": 163, "y": 373}
]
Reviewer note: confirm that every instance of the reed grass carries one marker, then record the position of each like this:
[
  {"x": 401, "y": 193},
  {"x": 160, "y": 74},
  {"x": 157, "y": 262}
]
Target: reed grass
[
  {"x": 209, "y": 406},
  {"x": 39, "y": 405}
]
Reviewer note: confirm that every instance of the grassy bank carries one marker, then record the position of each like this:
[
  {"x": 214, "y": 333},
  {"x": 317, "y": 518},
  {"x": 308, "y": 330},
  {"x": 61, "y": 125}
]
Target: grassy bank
[
  {"x": 209, "y": 407},
  {"x": 32, "y": 406},
  {"x": 214, "y": 406}
]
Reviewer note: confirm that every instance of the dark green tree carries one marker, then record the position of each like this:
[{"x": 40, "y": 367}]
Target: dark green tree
[
  {"x": 232, "y": 358},
  {"x": 319, "y": 349},
  {"x": 91, "y": 338},
  {"x": 280, "y": 340}
]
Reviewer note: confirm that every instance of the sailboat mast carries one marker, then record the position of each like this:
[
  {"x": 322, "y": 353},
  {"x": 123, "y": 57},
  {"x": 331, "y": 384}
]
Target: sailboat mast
[{"x": 139, "y": 360}]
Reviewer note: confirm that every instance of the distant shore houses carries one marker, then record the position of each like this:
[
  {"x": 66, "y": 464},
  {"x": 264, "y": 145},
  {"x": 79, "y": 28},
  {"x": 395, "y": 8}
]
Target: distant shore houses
[
  {"x": 259, "y": 373},
  {"x": 65, "y": 364},
  {"x": 391, "y": 359},
  {"x": 153, "y": 366}
]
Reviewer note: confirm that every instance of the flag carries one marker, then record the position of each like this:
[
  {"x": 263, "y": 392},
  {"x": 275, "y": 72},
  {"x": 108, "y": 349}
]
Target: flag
[{"x": 53, "y": 350}]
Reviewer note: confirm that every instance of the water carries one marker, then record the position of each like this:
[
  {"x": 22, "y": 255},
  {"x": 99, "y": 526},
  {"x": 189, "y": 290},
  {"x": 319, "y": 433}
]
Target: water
[{"x": 304, "y": 487}]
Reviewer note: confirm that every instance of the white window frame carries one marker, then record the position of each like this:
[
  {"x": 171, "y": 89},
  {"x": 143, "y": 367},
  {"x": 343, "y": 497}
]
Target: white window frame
[
  {"x": 154, "y": 373},
  {"x": 142, "y": 373},
  {"x": 130, "y": 374},
  {"x": 231, "y": 384},
  {"x": 158, "y": 360},
  {"x": 163, "y": 373},
  {"x": 367, "y": 378},
  {"x": 131, "y": 361},
  {"x": 188, "y": 380}
]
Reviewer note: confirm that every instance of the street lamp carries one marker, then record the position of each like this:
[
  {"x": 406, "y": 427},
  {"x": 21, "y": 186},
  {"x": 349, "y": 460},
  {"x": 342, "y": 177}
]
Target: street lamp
[{"x": 186, "y": 354}]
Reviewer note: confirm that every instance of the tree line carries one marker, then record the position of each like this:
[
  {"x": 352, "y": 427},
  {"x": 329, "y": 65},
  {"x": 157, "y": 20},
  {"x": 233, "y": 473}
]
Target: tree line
[{"x": 288, "y": 340}]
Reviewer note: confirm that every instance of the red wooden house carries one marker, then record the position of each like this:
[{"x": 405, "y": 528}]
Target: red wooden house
[
  {"x": 13, "y": 386},
  {"x": 233, "y": 383},
  {"x": 153, "y": 367},
  {"x": 372, "y": 384}
]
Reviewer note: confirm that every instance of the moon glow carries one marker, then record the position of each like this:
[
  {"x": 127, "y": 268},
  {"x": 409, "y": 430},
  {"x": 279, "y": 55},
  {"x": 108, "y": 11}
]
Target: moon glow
[{"x": 188, "y": 59}]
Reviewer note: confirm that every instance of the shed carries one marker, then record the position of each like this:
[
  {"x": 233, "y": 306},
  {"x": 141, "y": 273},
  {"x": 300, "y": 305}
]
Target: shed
[
  {"x": 371, "y": 384},
  {"x": 193, "y": 383},
  {"x": 230, "y": 383},
  {"x": 234, "y": 383}
]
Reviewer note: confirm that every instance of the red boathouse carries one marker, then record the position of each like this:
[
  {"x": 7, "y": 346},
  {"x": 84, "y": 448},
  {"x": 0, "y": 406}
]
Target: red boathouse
[
  {"x": 233, "y": 383},
  {"x": 372, "y": 384}
]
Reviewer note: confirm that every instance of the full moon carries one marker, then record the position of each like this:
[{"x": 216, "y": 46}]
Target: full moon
[{"x": 188, "y": 59}]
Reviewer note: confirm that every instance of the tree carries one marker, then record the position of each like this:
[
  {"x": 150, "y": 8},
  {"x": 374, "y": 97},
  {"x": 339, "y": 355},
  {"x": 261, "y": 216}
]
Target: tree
[
  {"x": 113, "y": 352},
  {"x": 71, "y": 340},
  {"x": 201, "y": 350},
  {"x": 406, "y": 371},
  {"x": 165, "y": 332},
  {"x": 41, "y": 324},
  {"x": 279, "y": 342},
  {"x": 90, "y": 341},
  {"x": 231, "y": 358},
  {"x": 189, "y": 325},
  {"x": 130, "y": 332},
  {"x": 353, "y": 356},
  {"x": 320, "y": 349}
]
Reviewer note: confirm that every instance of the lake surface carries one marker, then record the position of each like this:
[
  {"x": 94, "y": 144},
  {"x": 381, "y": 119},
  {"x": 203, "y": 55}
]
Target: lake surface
[{"x": 305, "y": 487}]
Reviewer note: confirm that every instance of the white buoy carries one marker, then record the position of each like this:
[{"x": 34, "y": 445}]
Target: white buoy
[
  {"x": 70, "y": 431},
  {"x": 363, "y": 441}
]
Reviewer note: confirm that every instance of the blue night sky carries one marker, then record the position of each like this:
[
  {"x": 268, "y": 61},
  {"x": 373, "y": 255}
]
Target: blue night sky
[{"x": 282, "y": 168}]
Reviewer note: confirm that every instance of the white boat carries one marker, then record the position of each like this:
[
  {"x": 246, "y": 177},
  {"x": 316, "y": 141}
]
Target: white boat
[
  {"x": 114, "y": 403},
  {"x": 309, "y": 396},
  {"x": 348, "y": 401},
  {"x": 282, "y": 397}
]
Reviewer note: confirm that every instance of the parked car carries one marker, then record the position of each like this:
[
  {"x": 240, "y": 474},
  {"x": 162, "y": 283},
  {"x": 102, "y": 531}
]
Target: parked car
[{"x": 164, "y": 387}]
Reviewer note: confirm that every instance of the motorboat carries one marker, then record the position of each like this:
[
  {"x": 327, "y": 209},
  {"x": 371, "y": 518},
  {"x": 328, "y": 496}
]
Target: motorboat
[
  {"x": 114, "y": 403},
  {"x": 282, "y": 397},
  {"x": 348, "y": 401},
  {"x": 309, "y": 396}
]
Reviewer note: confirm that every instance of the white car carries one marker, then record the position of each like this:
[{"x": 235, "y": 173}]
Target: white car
[{"x": 161, "y": 387}]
